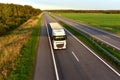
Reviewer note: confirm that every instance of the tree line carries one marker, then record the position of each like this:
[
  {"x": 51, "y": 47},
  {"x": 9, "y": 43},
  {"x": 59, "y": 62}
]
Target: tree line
[
  {"x": 13, "y": 15},
  {"x": 86, "y": 11}
]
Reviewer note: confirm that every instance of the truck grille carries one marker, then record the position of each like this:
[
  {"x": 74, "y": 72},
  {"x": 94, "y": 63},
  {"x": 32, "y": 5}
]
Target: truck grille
[{"x": 60, "y": 45}]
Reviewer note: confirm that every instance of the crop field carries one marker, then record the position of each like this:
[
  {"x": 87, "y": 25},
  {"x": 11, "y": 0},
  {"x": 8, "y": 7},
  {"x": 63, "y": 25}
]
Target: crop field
[{"x": 108, "y": 22}]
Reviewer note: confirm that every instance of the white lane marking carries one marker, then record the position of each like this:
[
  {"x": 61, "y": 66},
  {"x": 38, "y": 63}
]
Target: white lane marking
[
  {"x": 106, "y": 37},
  {"x": 108, "y": 43},
  {"x": 75, "y": 56},
  {"x": 53, "y": 56},
  {"x": 95, "y": 54}
]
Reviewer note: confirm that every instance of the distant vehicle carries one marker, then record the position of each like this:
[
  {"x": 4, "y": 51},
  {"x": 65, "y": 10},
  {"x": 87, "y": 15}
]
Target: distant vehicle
[{"x": 58, "y": 36}]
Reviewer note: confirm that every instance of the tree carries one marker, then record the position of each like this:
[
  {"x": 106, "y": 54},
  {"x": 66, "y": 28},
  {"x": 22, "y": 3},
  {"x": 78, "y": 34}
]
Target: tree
[{"x": 12, "y": 15}]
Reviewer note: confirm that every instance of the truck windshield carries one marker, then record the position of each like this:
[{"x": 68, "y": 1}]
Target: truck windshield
[{"x": 59, "y": 38}]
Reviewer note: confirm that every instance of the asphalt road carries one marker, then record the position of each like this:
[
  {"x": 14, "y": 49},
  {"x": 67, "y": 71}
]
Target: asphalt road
[
  {"x": 104, "y": 36},
  {"x": 76, "y": 62},
  {"x": 44, "y": 69}
]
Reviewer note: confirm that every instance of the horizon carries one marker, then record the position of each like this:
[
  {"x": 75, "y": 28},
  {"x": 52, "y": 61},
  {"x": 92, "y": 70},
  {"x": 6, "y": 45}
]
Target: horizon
[
  {"x": 62, "y": 5},
  {"x": 58, "y": 9}
]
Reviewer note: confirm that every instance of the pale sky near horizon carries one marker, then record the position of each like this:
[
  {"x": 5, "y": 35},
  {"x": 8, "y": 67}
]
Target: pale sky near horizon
[{"x": 69, "y": 4}]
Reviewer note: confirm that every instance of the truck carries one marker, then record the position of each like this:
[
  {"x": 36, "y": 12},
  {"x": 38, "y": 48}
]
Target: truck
[{"x": 58, "y": 36}]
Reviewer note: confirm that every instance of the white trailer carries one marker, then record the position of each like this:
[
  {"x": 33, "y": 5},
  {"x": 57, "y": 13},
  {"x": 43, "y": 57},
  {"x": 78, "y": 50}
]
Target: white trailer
[{"x": 58, "y": 36}]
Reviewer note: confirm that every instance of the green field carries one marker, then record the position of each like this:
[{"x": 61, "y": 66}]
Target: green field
[{"x": 109, "y": 22}]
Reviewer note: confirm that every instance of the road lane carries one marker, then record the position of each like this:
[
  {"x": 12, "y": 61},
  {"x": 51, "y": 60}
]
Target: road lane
[
  {"x": 89, "y": 66},
  {"x": 110, "y": 39},
  {"x": 44, "y": 69},
  {"x": 52, "y": 52}
]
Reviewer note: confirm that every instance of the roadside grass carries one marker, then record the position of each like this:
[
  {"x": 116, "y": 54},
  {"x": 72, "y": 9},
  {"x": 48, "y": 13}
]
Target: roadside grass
[
  {"x": 108, "y": 22},
  {"x": 25, "y": 64},
  {"x": 93, "y": 44},
  {"x": 10, "y": 47}
]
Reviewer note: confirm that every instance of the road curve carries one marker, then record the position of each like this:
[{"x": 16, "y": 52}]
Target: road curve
[
  {"x": 104, "y": 36},
  {"x": 74, "y": 63}
]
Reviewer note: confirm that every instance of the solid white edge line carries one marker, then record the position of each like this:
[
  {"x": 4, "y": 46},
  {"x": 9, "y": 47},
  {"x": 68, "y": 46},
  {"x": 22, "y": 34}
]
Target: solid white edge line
[
  {"x": 95, "y": 54},
  {"x": 75, "y": 56},
  {"x": 53, "y": 56},
  {"x": 106, "y": 37}
]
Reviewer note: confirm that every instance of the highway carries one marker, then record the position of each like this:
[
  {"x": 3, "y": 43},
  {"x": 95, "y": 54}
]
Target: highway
[
  {"x": 77, "y": 62},
  {"x": 104, "y": 36}
]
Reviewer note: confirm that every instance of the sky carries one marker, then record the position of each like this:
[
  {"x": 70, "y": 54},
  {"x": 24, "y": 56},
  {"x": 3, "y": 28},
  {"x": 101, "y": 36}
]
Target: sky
[{"x": 69, "y": 4}]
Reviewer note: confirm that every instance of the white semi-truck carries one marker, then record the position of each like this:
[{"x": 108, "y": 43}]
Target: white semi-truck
[{"x": 58, "y": 36}]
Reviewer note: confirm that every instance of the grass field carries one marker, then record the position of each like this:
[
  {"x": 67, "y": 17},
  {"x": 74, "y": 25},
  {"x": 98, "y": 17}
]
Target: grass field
[
  {"x": 109, "y": 22},
  {"x": 11, "y": 46}
]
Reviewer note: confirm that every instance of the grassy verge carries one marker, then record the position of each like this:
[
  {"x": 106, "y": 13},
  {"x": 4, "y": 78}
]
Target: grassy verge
[
  {"x": 25, "y": 63},
  {"x": 11, "y": 44},
  {"x": 104, "y": 51}
]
